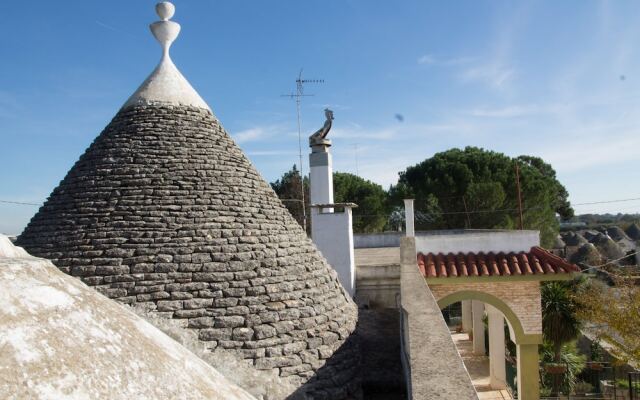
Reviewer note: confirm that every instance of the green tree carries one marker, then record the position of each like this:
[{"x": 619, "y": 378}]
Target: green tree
[
  {"x": 370, "y": 216},
  {"x": 372, "y": 212},
  {"x": 614, "y": 313},
  {"x": 560, "y": 323},
  {"x": 476, "y": 188},
  {"x": 288, "y": 189}
]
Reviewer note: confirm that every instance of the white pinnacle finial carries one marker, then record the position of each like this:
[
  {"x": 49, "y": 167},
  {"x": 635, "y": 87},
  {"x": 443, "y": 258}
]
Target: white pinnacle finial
[
  {"x": 165, "y": 31},
  {"x": 165, "y": 10},
  {"x": 166, "y": 85}
]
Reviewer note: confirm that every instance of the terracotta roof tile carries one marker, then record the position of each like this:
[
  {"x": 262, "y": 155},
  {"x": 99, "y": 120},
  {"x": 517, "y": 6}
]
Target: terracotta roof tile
[{"x": 536, "y": 261}]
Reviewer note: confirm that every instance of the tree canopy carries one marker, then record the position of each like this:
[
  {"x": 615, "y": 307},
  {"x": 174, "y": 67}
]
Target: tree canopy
[
  {"x": 371, "y": 198},
  {"x": 476, "y": 188},
  {"x": 613, "y": 312},
  {"x": 288, "y": 189}
]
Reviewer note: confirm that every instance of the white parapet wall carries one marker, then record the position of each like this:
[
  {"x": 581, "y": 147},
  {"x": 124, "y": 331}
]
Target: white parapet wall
[
  {"x": 477, "y": 241},
  {"x": 432, "y": 365},
  {"x": 332, "y": 233}
]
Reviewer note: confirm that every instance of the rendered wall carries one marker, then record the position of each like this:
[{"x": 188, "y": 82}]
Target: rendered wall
[
  {"x": 477, "y": 241},
  {"x": 332, "y": 234}
]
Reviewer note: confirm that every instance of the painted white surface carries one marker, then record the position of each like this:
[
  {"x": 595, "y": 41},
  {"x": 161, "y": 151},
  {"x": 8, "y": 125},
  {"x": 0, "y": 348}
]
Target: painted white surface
[
  {"x": 372, "y": 240},
  {"x": 477, "y": 308},
  {"x": 321, "y": 183},
  {"x": 61, "y": 339},
  {"x": 332, "y": 234},
  {"x": 477, "y": 241},
  {"x": 467, "y": 322},
  {"x": 7, "y": 249},
  {"x": 166, "y": 85},
  {"x": 409, "y": 219},
  {"x": 497, "y": 368}
]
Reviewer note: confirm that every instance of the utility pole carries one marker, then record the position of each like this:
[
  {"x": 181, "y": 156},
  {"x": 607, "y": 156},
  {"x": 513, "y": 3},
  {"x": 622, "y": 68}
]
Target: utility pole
[
  {"x": 519, "y": 195},
  {"x": 466, "y": 212},
  {"x": 298, "y": 98}
]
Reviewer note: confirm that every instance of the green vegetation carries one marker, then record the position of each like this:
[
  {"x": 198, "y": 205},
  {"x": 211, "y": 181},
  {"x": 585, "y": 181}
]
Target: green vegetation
[
  {"x": 477, "y": 188},
  {"x": 560, "y": 323},
  {"x": 560, "y": 329},
  {"x": 615, "y": 313},
  {"x": 568, "y": 357},
  {"x": 371, "y": 198},
  {"x": 458, "y": 188},
  {"x": 288, "y": 189}
]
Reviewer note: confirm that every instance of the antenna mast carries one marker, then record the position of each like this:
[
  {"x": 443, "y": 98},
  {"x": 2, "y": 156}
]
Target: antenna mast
[{"x": 298, "y": 98}]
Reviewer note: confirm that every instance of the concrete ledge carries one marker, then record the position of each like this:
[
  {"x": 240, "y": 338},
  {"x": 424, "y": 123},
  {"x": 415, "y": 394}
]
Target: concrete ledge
[
  {"x": 380, "y": 284},
  {"x": 433, "y": 367}
]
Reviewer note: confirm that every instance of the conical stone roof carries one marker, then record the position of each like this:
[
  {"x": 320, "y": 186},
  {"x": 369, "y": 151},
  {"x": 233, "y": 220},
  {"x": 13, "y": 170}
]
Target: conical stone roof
[
  {"x": 574, "y": 239},
  {"x": 633, "y": 231},
  {"x": 616, "y": 233},
  {"x": 587, "y": 255},
  {"x": 164, "y": 209},
  {"x": 607, "y": 247}
]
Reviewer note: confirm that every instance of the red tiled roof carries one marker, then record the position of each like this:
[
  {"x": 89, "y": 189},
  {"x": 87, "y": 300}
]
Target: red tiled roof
[{"x": 537, "y": 261}]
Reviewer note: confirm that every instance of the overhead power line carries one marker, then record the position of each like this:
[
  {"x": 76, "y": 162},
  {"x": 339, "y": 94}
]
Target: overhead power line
[
  {"x": 20, "y": 202},
  {"x": 606, "y": 202}
]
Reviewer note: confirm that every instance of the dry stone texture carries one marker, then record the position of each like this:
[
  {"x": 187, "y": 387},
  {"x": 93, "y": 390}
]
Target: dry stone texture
[{"x": 164, "y": 209}]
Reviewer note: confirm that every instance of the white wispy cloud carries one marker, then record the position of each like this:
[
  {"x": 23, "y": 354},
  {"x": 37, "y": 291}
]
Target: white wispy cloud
[
  {"x": 602, "y": 145},
  {"x": 495, "y": 75},
  {"x": 430, "y": 59},
  {"x": 250, "y": 135},
  {"x": 517, "y": 110}
]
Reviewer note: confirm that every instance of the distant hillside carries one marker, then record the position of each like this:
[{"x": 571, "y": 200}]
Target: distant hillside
[{"x": 622, "y": 220}]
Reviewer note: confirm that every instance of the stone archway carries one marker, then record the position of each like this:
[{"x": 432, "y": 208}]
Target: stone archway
[
  {"x": 524, "y": 335},
  {"x": 509, "y": 314}
]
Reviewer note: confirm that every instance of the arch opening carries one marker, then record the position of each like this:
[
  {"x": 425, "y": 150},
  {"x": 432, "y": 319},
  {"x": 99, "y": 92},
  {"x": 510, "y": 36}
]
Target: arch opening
[{"x": 511, "y": 318}]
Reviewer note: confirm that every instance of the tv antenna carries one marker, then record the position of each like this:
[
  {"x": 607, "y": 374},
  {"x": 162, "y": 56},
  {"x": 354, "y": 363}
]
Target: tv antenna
[
  {"x": 356, "y": 156},
  {"x": 298, "y": 95}
]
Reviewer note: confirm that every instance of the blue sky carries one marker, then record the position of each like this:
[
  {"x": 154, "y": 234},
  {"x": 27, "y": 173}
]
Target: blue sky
[{"x": 552, "y": 79}]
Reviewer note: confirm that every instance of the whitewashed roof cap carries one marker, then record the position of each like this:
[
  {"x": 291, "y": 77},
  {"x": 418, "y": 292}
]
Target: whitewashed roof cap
[{"x": 166, "y": 85}]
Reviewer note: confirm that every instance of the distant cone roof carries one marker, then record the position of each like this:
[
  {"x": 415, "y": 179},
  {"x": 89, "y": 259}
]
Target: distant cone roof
[
  {"x": 633, "y": 231},
  {"x": 587, "y": 254},
  {"x": 558, "y": 243},
  {"x": 163, "y": 208},
  {"x": 616, "y": 233},
  {"x": 607, "y": 247},
  {"x": 574, "y": 239}
]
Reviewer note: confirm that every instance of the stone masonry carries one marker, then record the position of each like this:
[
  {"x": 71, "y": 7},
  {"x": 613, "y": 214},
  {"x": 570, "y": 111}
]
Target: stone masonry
[
  {"x": 164, "y": 210},
  {"x": 523, "y": 298}
]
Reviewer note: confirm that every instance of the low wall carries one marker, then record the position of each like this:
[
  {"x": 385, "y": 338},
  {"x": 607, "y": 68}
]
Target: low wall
[
  {"x": 379, "y": 284},
  {"x": 455, "y": 240},
  {"x": 371, "y": 240},
  {"x": 476, "y": 241},
  {"x": 433, "y": 367}
]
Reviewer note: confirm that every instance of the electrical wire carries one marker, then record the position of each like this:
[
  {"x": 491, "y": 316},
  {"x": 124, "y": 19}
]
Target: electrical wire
[{"x": 20, "y": 203}]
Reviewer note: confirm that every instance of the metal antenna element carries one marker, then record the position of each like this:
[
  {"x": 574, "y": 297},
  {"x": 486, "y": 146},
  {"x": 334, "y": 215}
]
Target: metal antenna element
[
  {"x": 298, "y": 97},
  {"x": 356, "y": 156}
]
